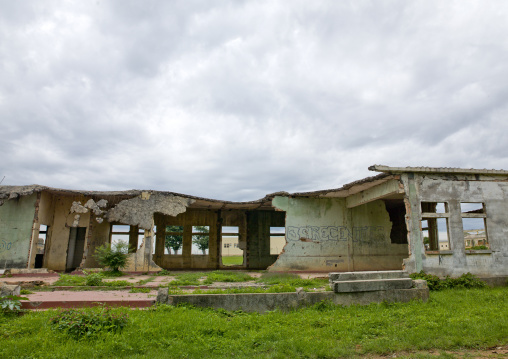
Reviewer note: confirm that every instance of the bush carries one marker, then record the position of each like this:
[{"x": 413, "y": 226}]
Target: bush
[
  {"x": 10, "y": 304},
  {"x": 115, "y": 257},
  {"x": 93, "y": 279},
  {"x": 466, "y": 280},
  {"x": 81, "y": 323}
]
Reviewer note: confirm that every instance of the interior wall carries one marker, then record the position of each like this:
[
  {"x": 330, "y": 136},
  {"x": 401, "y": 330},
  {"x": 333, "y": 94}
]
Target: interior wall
[
  {"x": 191, "y": 217},
  {"x": 16, "y": 222},
  {"x": 258, "y": 237},
  {"x": 56, "y": 256},
  {"x": 324, "y": 235},
  {"x": 372, "y": 245}
]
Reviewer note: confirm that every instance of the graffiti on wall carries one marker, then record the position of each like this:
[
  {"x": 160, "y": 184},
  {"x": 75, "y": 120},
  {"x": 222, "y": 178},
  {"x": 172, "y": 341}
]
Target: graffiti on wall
[
  {"x": 364, "y": 234},
  {"x": 5, "y": 246}
]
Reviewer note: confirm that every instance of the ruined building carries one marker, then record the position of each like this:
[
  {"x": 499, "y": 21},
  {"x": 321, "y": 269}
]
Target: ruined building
[{"x": 413, "y": 218}]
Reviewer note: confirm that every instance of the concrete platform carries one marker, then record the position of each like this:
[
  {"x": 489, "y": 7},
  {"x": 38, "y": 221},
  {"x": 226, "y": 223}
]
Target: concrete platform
[
  {"x": 367, "y": 275},
  {"x": 82, "y": 299},
  {"x": 371, "y": 285}
]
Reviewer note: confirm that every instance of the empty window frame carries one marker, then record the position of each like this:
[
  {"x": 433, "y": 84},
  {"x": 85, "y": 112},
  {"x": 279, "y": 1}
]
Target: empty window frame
[
  {"x": 474, "y": 225},
  {"x": 435, "y": 226},
  {"x": 173, "y": 240},
  {"x": 200, "y": 239},
  {"x": 277, "y": 240},
  {"x": 231, "y": 254}
]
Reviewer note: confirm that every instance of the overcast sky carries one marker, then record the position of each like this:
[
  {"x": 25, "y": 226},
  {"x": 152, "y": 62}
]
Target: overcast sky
[{"x": 237, "y": 99}]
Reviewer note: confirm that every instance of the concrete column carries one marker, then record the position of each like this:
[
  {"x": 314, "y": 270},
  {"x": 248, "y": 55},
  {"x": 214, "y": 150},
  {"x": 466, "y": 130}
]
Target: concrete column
[{"x": 187, "y": 246}]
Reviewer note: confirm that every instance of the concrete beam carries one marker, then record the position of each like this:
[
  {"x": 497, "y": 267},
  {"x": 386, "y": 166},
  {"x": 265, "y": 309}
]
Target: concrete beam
[{"x": 383, "y": 190}]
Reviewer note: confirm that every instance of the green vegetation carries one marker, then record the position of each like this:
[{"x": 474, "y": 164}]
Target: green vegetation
[
  {"x": 175, "y": 239},
  {"x": 292, "y": 280},
  {"x": 80, "y": 323},
  {"x": 232, "y": 260},
  {"x": 90, "y": 280},
  {"x": 466, "y": 280},
  {"x": 475, "y": 248},
  {"x": 227, "y": 276},
  {"x": 450, "y": 320},
  {"x": 189, "y": 278},
  {"x": 144, "y": 281},
  {"x": 113, "y": 256},
  {"x": 140, "y": 290},
  {"x": 202, "y": 238},
  {"x": 25, "y": 291}
]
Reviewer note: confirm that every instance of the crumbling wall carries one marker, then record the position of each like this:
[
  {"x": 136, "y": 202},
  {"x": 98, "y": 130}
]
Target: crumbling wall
[
  {"x": 139, "y": 211},
  {"x": 16, "y": 220},
  {"x": 372, "y": 246},
  {"x": 322, "y": 234},
  {"x": 490, "y": 190},
  {"x": 316, "y": 234}
]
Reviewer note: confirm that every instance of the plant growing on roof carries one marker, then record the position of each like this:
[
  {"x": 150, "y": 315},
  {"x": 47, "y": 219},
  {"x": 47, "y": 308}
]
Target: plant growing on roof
[{"x": 113, "y": 256}]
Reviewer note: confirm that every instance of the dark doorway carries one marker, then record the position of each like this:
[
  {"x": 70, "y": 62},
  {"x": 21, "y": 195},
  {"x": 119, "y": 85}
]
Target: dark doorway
[{"x": 76, "y": 248}]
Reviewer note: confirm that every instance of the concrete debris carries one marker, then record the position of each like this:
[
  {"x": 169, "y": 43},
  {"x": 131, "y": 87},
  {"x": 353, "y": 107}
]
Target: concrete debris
[
  {"x": 102, "y": 203},
  {"x": 139, "y": 212},
  {"x": 77, "y": 207},
  {"x": 94, "y": 207},
  {"x": 75, "y": 223}
]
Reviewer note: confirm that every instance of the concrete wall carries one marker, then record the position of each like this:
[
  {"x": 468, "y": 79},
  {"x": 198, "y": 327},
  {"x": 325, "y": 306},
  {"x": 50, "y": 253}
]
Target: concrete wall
[
  {"x": 56, "y": 248},
  {"x": 324, "y": 235},
  {"x": 453, "y": 190},
  {"x": 16, "y": 222}
]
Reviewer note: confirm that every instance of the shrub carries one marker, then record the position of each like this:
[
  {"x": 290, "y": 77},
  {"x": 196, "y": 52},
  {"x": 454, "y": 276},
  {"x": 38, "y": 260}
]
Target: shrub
[
  {"x": 81, "y": 323},
  {"x": 466, "y": 280},
  {"x": 10, "y": 304},
  {"x": 93, "y": 279},
  {"x": 115, "y": 257}
]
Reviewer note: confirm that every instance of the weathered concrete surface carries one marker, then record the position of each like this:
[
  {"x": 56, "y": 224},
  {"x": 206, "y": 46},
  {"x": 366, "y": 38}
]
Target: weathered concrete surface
[
  {"x": 367, "y": 275},
  {"x": 322, "y": 234},
  {"x": 7, "y": 289},
  {"x": 139, "y": 211},
  {"x": 262, "y": 302},
  {"x": 16, "y": 222},
  {"x": 454, "y": 190},
  {"x": 350, "y": 286}
]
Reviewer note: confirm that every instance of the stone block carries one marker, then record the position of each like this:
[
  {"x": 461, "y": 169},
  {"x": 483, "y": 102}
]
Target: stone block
[
  {"x": 6, "y": 289},
  {"x": 352, "y": 286},
  {"x": 367, "y": 275}
]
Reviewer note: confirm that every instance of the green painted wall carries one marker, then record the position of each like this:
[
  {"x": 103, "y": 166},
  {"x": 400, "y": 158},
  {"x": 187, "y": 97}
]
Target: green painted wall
[{"x": 16, "y": 220}]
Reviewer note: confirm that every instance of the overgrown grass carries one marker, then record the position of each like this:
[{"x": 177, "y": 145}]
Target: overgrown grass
[
  {"x": 452, "y": 319},
  {"x": 78, "y": 281},
  {"x": 292, "y": 279},
  {"x": 227, "y": 276},
  {"x": 189, "y": 278},
  {"x": 140, "y": 290},
  {"x": 232, "y": 260},
  {"x": 466, "y": 280}
]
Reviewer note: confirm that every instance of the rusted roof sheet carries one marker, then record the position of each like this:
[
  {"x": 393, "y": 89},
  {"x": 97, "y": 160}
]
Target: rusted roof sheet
[{"x": 447, "y": 170}]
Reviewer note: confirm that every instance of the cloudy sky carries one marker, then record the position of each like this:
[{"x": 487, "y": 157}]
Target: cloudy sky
[{"x": 237, "y": 99}]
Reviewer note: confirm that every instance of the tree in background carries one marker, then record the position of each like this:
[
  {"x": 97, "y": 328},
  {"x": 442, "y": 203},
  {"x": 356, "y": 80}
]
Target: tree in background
[
  {"x": 173, "y": 241},
  {"x": 201, "y": 240}
]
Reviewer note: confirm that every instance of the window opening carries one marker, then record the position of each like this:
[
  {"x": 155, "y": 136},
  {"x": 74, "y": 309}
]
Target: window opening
[
  {"x": 173, "y": 241},
  {"x": 277, "y": 240},
  {"x": 435, "y": 226},
  {"x": 232, "y": 254},
  {"x": 120, "y": 233},
  {"x": 200, "y": 239},
  {"x": 41, "y": 246},
  {"x": 474, "y": 226}
]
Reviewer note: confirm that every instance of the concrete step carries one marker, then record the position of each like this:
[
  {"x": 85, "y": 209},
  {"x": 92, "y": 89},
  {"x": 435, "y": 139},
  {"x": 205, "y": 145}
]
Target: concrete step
[
  {"x": 351, "y": 286},
  {"x": 367, "y": 275}
]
